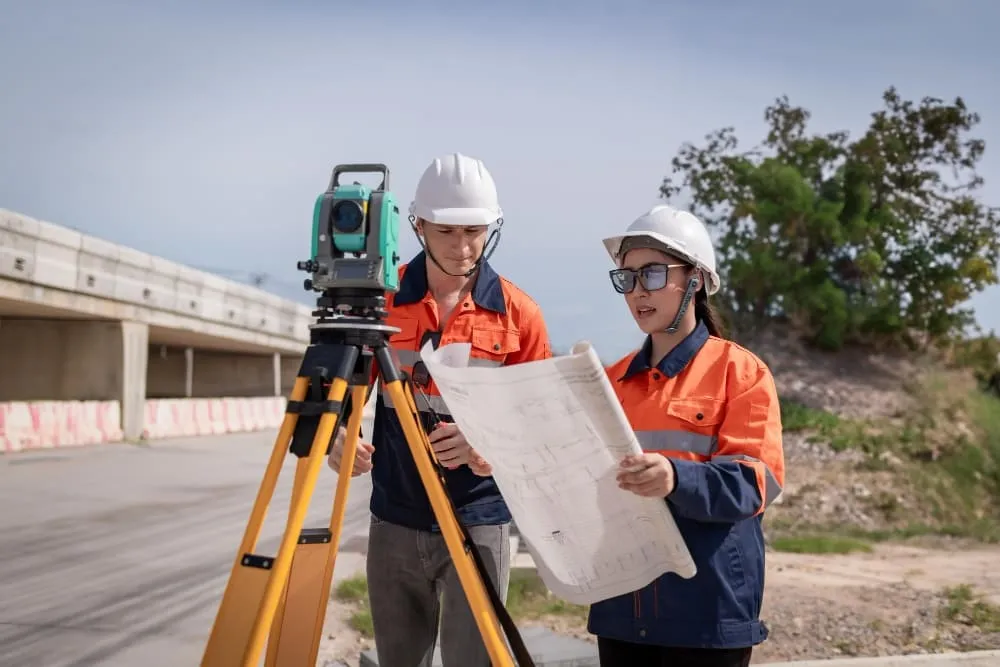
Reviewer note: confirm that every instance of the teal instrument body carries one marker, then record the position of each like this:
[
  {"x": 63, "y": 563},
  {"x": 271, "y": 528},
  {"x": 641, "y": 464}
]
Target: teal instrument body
[{"x": 355, "y": 235}]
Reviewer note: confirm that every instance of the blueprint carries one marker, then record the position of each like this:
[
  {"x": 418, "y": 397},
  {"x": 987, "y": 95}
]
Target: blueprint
[{"x": 554, "y": 432}]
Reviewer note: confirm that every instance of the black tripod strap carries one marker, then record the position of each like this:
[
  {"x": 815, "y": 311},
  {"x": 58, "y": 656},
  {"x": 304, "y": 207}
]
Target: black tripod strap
[{"x": 517, "y": 647}]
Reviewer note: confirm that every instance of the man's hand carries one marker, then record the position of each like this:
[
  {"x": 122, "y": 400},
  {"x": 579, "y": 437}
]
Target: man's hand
[
  {"x": 449, "y": 445},
  {"x": 479, "y": 465},
  {"x": 648, "y": 475},
  {"x": 362, "y": 457}
]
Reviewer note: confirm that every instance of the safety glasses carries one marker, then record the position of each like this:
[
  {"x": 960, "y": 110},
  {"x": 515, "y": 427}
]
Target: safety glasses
[{"x": 652, "y": 277}]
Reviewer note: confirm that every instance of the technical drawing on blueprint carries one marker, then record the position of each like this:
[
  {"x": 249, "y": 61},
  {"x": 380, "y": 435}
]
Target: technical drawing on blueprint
[{"x": 554, "y": 433}]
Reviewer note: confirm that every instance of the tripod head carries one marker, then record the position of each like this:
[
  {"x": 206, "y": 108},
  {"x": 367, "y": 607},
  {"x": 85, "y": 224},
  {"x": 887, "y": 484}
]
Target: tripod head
[{"x": 355, "y": 244}]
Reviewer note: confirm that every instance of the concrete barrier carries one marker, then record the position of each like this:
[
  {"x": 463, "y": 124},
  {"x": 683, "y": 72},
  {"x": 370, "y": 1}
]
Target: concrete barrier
[
  {"x": 51, "y": 424},
  {"x": 172, "y": 418}
]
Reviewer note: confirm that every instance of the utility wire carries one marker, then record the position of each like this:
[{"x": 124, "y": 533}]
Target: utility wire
[{"x": 255, "y": 278}]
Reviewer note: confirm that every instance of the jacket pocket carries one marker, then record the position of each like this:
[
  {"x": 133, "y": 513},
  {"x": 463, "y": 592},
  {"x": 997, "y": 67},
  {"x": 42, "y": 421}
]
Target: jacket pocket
[
  {"x": 491, "y": 345},
  {"x": 694, "y": 423},
  {"x": 698, "y": 413}
]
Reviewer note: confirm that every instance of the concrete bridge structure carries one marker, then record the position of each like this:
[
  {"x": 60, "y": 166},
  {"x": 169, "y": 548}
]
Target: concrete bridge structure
[{"x": 100, "y": 342}]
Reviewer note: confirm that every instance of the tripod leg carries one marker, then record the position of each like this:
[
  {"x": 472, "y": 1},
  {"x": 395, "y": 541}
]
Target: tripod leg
[
  {"x": 271, "y": 659},
  {"x": 249, "y": 574},
  {"x": 283, "y": 562},
  {"x": 298, "y": 625},
  {"x": 468, "y": 575},
  {"x": 257, "y": 583}
]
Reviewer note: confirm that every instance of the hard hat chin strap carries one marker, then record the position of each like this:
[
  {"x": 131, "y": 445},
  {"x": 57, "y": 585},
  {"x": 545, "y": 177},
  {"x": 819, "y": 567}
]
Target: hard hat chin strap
[
  {"x": 689, "y": 293},
  {"x": 483, "y": 256}
]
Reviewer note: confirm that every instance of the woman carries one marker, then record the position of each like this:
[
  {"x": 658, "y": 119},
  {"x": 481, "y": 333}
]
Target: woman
[{"x": 706, "y": 413}]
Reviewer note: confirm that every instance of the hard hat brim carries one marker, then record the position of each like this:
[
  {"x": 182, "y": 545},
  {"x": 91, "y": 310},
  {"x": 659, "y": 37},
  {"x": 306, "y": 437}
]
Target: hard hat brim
[
  {"x": 613, "y": 243},
  {"x": 460, "y": 217}
]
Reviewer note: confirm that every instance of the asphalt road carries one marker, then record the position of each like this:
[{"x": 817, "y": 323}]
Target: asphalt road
[{"x": 117, "y": 556}]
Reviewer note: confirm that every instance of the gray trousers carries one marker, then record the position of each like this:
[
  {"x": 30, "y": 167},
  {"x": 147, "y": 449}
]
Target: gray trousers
[{"x": 413, "y": 590}]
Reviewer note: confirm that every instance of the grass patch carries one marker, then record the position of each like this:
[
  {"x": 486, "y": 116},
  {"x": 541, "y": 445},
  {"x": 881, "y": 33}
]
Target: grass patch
[
  {"x": 949, "y": 446},
  {"x": 528, "y": 598},
  {"x": 354, "y": 591},
  {"x": 798, "y": 417},
  {"x": 821, "y": 544},
  {"x": 823, "y": 426},
  {"x": 361, "y": 622},
  {"x": 966, "y": 607},
  {"x": 981, "y": 530},
  {"x": 957, "y": 456},
  {"x": 985, "y": 409}
]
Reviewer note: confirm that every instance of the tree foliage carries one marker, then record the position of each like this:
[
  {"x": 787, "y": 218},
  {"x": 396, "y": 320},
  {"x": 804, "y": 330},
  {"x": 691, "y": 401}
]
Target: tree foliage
[
  {"x": 877, "y": 239},
  {"x": 981, "y": 354}
]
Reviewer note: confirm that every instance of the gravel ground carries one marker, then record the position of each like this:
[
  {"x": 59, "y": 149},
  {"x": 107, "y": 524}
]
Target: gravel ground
[
  {"x": 896, "y": 600},
  {"x": 892, "y": 601}
]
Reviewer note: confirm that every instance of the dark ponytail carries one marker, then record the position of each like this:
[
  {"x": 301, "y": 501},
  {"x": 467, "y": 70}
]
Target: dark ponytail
[{"x": 705, "y": 311}]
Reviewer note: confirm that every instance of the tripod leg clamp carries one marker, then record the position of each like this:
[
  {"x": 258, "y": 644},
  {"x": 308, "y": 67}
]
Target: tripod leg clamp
[
  {"x": 317, "y": 404},
  {"x": 312, "y": 408}
]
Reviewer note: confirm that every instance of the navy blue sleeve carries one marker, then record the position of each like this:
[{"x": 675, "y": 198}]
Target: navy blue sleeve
[{"x": 724, "y": 492}]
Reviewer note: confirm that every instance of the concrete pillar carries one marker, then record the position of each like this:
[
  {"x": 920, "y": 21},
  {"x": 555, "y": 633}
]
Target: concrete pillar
[
  {"x": 135, "y": 356},
  {"x": 276, "y": 362},
  {"x": 188, "y": 372},
  {"x": 74, "y": 360}
]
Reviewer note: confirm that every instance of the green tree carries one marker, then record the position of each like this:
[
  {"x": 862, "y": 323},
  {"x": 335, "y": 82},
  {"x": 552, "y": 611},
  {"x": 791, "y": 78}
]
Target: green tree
[
  {"x": 850, "y": 241},
  {"x": 979, "y": 353}
]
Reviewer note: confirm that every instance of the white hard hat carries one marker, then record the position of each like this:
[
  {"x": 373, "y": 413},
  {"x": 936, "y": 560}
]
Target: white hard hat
[
  {"x": 456, "y": 190},
  {"x": 677, "y": 232}
]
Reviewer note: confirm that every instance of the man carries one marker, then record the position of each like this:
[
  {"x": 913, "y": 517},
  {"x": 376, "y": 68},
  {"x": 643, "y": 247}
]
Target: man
[{"x": 447, "y": 294}]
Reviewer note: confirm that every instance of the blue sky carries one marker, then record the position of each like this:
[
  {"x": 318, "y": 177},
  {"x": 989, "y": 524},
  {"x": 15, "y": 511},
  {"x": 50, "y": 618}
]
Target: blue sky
[{"x": 204, "y": 133}]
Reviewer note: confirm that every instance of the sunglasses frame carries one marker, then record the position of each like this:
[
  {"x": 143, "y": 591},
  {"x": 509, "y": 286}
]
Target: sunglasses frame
[{"x": 637, "y": 276}]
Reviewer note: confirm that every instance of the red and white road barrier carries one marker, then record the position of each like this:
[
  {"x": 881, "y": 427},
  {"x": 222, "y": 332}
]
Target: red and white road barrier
[
  {"x": 175, "y": 417},
  {"x": 51, "y": 424}
]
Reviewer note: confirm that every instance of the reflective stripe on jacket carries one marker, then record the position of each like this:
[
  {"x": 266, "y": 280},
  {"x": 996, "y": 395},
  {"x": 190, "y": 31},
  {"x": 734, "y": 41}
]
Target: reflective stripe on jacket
[
  {"x": 711, "y": 407},
  {"x": 504, "y": 326}
]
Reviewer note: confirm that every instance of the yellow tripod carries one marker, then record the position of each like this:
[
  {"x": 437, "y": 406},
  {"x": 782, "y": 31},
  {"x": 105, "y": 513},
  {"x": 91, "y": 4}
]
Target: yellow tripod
[{"x": 281, "y": 601}]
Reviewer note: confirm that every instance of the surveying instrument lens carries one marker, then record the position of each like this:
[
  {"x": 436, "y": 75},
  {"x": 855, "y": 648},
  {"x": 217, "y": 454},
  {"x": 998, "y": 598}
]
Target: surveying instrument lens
[
  {"x": 347, "y": 216},
  {"x": 273, "y": 606}
]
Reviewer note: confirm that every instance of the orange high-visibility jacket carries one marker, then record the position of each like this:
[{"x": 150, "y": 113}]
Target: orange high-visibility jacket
[
  {"x": 711, "y": 408},
  {"x": 504, "y": 326}
]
